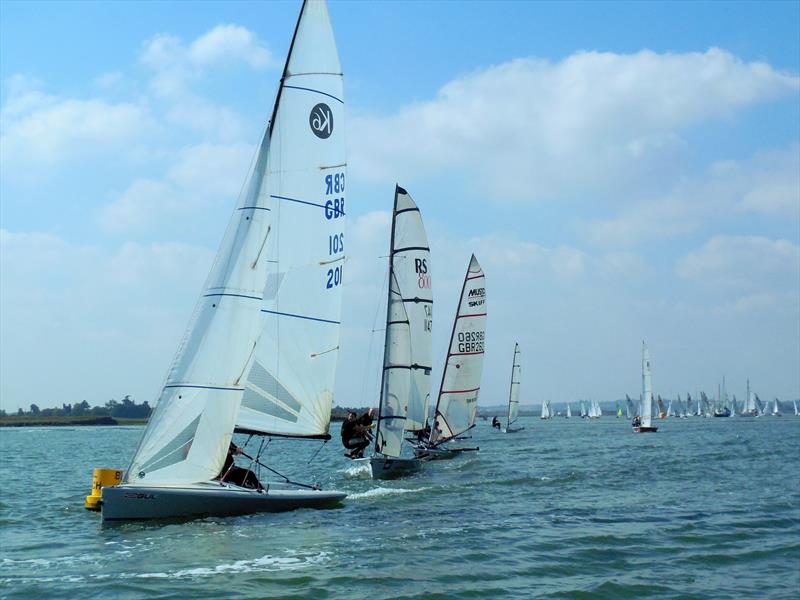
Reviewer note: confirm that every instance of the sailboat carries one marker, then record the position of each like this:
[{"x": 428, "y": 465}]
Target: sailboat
[
  {"x": 405, "y": 379},
  {"x": 796, "y": 412},
  {"x": 629, "y": 406},
  {"x": 546, "y": 412},
  {"x": 645, "y": 424},
  {"x": 776, "y": 409},
  {"x": 457, "y": 402},
  {"x": 619, "y": 410},
  {"x": 670, "y": 412},
  {"x": 259, "y": 355},
  {"x": 594, "y": 410},
  {"x": 749, "y": 409},
  {"x": 721, "y": 405},
  {"x": 513, "y": 393},
  {"x": 584, "y": 414},
  {"x": 569, "y": 411}
]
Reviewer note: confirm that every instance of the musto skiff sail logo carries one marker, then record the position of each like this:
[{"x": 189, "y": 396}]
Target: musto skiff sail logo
[{"x": 321, "y": 120}]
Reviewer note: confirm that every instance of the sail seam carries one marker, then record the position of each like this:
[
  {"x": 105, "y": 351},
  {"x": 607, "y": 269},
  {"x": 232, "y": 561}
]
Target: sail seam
[
  {"x": 202, "y": 387},
  {"x": 340, "y": 211},
  {"x": 285, "y": 314},
  {"x": 233, "y": 295},
  {"x": 458, "y": 391},
  {"x": 475, "y": 315},
  {"x": 305, "y": 89}
]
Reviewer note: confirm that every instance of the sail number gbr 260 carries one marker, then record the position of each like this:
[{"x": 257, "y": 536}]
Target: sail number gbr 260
[{"x": 334, "y": 209}]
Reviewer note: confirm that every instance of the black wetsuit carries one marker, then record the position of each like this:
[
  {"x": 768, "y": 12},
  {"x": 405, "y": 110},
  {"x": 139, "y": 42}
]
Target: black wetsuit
[
  {"x": 237, "y": 475},
  {"x": 352, "y": 439}
]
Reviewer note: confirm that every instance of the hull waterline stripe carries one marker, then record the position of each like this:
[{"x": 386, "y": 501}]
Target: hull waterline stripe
[
  {"x": 284, "y": 314},
  {"x": 305, "y": 89},
  {"x": 340, "y": 211},
  {"x": 233, "y": 295}
]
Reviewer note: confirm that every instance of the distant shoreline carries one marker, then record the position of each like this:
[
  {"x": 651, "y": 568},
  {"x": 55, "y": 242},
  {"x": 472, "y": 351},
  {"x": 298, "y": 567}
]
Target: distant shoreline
[{"x": 29, "y": 421}]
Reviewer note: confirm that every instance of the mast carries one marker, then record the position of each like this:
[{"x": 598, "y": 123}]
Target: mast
[{"x": 511, "y": 399}]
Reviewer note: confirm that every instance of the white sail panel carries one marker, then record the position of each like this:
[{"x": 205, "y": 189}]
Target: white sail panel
[
  {"x": 647, "y": 389},
  {"x": 513, "y": 394},
  {"x": 291, "y": 381},
  {"x": 457, "y": 403},
  {"x": 411, "y": 265},
  {"x": 397, "y": 379}
]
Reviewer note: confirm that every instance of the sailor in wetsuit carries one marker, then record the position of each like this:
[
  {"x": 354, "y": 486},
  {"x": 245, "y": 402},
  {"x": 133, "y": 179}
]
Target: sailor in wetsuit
[
  {"x": 495, "y": 422},
  {"x": 355, "y": 433},
  {"x": 237, "y": 475}
]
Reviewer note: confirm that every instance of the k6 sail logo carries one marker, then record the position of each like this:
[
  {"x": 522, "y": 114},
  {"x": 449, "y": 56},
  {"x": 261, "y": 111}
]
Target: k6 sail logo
[{"x": 321, "y": 120}]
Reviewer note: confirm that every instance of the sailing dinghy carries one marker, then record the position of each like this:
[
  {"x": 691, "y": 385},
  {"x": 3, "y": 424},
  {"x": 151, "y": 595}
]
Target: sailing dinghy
[
  {"x": 457, "y": 403},
  {"x": 259, "y": 355},
  {"x": 513, "y": 393},
  {"x": 405, "y": 380},
  {"x": 645, "y": 424}
]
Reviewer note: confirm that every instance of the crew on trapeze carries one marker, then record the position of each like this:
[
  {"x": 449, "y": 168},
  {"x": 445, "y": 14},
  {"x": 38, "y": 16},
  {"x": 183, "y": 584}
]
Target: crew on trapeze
[
  {"x": 495, "y": 422},
  {"x": 356, "y": 433},
  {"x": 237, "y": 475},
  {"x": 637, "y": 421}
]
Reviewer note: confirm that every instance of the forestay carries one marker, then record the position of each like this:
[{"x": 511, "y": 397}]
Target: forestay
[
  {"x": 411, "y": 265},
  {"x": 461, "y": 379},
  {"x": 299, "y": 162},
  {"x": 513, "y": 394},
  {"x": 647, "y": 389}
]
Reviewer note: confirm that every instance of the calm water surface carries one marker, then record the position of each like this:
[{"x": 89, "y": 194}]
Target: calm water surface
[{"x": 706, "y": 508}]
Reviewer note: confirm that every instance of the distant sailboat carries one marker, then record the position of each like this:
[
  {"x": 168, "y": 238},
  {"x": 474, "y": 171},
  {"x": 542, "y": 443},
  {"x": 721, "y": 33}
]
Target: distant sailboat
[
  {"x": 513, "y": 392},
  {"x": 750, "y": 409},
  {"x": 645, "y": 423},
  {"x": 629, "y": 408},
  {"x": 405, "y": 381},
  {"x": 547, "y": 413},
  {"x": 457, "y": 403},
  {"x": 569, "y": 411},
  {"x": 776, "y": 409},
  {"x": 594, "y": 410},
  {"x": 796, "y": 412},
  {"x": 584, "y": 413},
  {"x": 259, "y": 355}
]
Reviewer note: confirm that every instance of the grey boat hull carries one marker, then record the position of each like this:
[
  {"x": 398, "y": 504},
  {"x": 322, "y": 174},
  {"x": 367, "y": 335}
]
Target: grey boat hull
[
  {"x": 129, "y": 502},
  {"x": 384, "y": 467},
  {"x": 441, "y": 453}
]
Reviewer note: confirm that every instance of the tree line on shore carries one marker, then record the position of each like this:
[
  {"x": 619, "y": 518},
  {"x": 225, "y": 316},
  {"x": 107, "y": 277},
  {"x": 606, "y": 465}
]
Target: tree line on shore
[{"x": 124, "y": 409}]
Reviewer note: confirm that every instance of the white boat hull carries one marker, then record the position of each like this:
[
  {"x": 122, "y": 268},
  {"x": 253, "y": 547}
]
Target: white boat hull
[{"x": 129, "y": 502}]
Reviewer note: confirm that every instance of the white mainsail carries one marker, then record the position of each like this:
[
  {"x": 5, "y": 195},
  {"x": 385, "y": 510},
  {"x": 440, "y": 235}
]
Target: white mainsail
[
  {"x": 646, "y": 410},
  {"x": 776, "y": 410},
  {"x": 405, "y": 386},
  {"x": 457, "y": 403},
  {"x": 300, "y": 157},
  {"x": 396, "y": 382},
  {"x": 513, "y": 392},
  {"x": 569, "y": 411},
  {"x": 411, "y": 265}
]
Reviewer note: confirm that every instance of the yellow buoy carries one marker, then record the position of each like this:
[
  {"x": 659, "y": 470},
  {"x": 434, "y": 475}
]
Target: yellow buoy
[{"x": 101, "y": 478}]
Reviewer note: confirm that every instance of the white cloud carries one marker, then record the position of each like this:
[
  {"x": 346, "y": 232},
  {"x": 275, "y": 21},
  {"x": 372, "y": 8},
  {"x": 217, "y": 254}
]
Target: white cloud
[
  {"x": 767, "y": 183},
  {"x": 534, "y": 129},
  {"x": 86, "y": 315},
  {"x": 202, "y": 175},
  {"x": 176, "y": 65},
  {"x": 744, "y": 262}
]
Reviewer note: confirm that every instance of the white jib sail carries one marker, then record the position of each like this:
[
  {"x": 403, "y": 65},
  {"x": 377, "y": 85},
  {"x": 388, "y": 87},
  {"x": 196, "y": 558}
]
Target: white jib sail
[
  {"x": 647, "y": 389},
  {"x": 513, "y": 393},
  {"x": 569, "y": 411},
  {"x": 411, "y": 265},
  {"x": 397, "y": 379},
  {"x": 187, "y": 436},
  {"x": 289, "y": 386},
  {"x": 457, "y": 403}
]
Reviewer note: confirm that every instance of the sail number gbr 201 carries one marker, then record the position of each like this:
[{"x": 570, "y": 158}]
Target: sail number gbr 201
[{"x": 334, "y": 209}]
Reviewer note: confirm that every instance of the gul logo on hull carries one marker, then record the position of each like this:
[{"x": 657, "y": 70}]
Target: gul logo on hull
[{"x": 321, "y": 120}]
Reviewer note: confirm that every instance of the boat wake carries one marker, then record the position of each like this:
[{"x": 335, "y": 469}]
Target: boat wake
[
  {"x": 359, "y": 471},
  {"x": 383, "y": 491}
]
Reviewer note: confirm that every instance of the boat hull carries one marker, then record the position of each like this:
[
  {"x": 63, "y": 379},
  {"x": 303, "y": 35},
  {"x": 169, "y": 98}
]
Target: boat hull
[
  {"x": 384, "y": 467},
  {"x": 441, "y": 453},
  {"x": 513, "y": 429},
  {"x": 131, "y": 502},
  {"x": 643, "y": 429}
]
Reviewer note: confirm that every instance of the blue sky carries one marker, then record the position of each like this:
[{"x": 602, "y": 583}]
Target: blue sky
[{"x": 624, "y": 171}]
